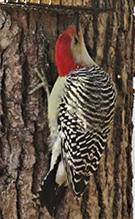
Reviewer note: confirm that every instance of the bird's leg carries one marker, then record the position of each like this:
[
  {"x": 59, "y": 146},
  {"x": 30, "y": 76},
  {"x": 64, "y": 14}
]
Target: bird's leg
[{"x": 43, "y": 83}]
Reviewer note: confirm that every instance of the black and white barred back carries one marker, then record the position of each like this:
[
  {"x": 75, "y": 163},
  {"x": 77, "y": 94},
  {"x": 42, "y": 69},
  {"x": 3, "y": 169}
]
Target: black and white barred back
[{"x": 85, "y": 115}]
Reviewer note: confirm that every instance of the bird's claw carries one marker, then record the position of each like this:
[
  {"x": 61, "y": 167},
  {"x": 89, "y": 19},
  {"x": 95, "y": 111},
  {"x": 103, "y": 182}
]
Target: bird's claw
[{"x": 43, "y": 83}]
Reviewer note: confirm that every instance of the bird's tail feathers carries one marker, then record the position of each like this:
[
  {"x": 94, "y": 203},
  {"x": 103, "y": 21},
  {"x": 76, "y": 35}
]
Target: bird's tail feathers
[{"x": 51, "y": 193}]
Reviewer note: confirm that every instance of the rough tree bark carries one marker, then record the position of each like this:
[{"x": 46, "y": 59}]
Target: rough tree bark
[{"x": 27, "y": 39}]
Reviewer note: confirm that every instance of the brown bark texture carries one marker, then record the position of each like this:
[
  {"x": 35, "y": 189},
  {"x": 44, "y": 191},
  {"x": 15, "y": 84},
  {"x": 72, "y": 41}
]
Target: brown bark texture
[{"x": 27, "y": 40}]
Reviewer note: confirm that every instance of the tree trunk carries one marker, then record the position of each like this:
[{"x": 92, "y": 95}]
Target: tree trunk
[{"x": 27, "y": 40}]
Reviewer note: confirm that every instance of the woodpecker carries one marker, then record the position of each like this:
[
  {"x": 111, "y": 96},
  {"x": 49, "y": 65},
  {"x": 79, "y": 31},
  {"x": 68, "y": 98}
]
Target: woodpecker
[{"x": 80, "y": 113}]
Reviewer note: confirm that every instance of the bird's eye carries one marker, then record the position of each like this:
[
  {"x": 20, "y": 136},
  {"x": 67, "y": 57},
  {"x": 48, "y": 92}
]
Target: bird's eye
[{"x": 76, "y": 40}]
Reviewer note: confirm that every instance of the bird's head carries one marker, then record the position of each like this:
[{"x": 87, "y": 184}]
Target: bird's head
[{"x": 70, "y": 51}]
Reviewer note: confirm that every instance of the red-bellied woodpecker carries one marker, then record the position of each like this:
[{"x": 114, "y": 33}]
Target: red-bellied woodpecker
[{"x": 80, "y": 113}]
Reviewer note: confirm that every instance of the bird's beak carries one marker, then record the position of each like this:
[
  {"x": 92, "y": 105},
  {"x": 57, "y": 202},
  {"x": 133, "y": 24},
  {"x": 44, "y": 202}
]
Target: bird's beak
[{"x": 76, "y": 21}]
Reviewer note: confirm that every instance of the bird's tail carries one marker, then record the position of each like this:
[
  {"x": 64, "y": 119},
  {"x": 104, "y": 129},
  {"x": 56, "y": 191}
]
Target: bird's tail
[{"x": 51, "y": 193}]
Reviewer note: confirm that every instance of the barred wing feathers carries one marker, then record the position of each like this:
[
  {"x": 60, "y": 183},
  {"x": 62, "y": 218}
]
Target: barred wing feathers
[{"x": 85, "y": 113}]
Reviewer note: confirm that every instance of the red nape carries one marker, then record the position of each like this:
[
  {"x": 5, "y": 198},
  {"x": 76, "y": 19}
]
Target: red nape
[{"x": 63, "y": 55}]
